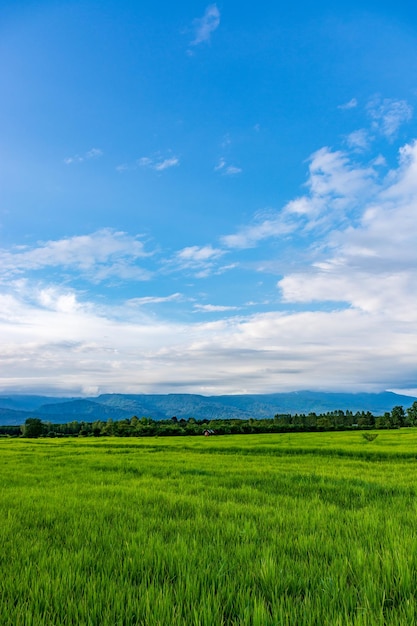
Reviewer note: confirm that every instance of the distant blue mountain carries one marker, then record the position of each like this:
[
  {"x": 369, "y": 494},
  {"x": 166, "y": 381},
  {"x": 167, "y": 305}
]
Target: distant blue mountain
[{"x": 15, "y": 409}]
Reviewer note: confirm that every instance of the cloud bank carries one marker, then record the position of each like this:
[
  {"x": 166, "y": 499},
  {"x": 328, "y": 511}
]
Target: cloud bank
[{"x": 346, "y": 317}]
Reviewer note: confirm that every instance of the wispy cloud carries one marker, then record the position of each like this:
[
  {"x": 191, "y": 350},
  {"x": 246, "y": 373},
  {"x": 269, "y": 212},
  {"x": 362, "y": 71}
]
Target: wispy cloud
[
  {"x": 214, "y": 308},
  {"x": 351, "y": 104},
  {"x": 205, "y": 26},
  {"x": 262, "y": 227},
  {"x": 388, "y": 115},
  {"x": 98, "y": 256},
  {"x": 335, "y": 185},
  {"x": 165, "y": 164},
  {"x": 94, "y": 153},
  {"x": 199, "y": 254},
  {"x": 200, "y": 260},
  {"x": 145, "y": 300},
  {"x": 355, "y": 284},
  {"x": 227, "y": 170},
  {"x": 386, "y": 118},
  {"x": 156, "y": 163},
  {"x": 231, "y": 170},
  {"x": 359, "y": 140}
]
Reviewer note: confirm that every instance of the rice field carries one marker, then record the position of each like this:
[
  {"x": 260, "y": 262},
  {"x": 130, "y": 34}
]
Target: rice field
[{"x": 261, "y": 530}]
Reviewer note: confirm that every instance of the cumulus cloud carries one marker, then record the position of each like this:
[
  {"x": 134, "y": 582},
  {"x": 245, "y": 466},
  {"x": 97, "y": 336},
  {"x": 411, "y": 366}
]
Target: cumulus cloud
[
  {"x": 81, "y": 348},
  {"x": 335, "y": 181},
  {"x": 370, "y": 265},
  {"x": 54, "y": 299},
  {"x": 359, "y": 288},
  {"x": 205, "y": 26},
  {"x": 346, "y": 319}
]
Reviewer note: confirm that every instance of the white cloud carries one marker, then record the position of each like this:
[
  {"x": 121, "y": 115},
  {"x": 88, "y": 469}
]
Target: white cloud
[
  {"x": 358, "y": 139},
  {"x": 201, "y": 268},
  {"x": 145, "y": 162},
  {"x": 347, "y": 318},
  {"x": 388, "y": 115},
  {"x": 370, "y": 266},
  {"x": 335, "y": 186},
  {"x": 97, "y": 256},
  {"x": 198, "y": 254},
  {"x": 154, "y": 299},
  {"x": 231, "y": 170},
  {"x": 351, "y": 104},
  {"x": 379, "y": 161},
  {"x": 227, "y": 170},
  {"x": 214, "y": 308},
  {"x": 363, "y": 275},
  {"x": 165, "y": 164},
  {"x": 335, "y": 180},
  {"x": 54, "y": 299},
  {"x": 249, "y": 236},
  {"x": 94, "y": 153},
  {"x": 79, "y": 348},
  {"x": 201, "y": 261},
  {"x": 156, "y": 163},
  {"x": 386, "y": 118},
  {"x": 205, "y": 26}
]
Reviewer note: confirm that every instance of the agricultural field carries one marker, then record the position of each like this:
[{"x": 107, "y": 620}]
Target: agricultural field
[{"x": 262, "y": 530}]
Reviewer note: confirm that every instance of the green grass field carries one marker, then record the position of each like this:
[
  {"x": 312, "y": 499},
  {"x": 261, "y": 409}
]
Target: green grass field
[{"x": 300, "y": 529}]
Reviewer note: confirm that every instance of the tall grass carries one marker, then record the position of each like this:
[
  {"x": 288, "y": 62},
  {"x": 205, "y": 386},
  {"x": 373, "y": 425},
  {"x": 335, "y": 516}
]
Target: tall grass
[{"x": 300, "y": 529}]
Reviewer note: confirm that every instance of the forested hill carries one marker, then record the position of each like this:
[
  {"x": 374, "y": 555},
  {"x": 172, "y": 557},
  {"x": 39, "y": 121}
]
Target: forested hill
[{"x": 14, "y": 409}]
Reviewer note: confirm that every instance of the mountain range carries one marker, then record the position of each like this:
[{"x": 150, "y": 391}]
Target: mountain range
[{"x": 15, "y": 409}]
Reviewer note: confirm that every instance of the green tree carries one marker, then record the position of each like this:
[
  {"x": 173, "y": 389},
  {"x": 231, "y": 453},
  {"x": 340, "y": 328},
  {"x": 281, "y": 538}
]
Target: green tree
[
  {"x": 412, "y": 414},
  {"x": 33, "y": 427},
  {"x": 381, "y": 422},
  {"x": 109, "y": 428},
  {"x": 324, "y": 423},
  {"x": 366, "y": 419},
  {"x": 397, "y": 416}
]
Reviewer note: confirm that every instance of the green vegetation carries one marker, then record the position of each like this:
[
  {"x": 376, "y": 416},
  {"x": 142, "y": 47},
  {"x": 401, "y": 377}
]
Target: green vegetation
[
  {"x": 147, "y": 427},
  {"x": 292, "y": 529},
  {"x": 370, "y": 436}
]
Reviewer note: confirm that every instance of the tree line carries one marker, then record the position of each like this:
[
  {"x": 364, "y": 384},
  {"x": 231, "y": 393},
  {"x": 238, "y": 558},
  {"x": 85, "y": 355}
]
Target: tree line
[{"x": 147, "y": 427}]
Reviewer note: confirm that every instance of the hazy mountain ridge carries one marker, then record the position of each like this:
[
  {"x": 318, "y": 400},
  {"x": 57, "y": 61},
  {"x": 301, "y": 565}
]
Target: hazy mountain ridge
[{"x": 15, "y": 409}]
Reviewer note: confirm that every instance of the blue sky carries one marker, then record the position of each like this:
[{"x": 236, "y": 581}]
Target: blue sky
[{"x": 207, "y": 198}]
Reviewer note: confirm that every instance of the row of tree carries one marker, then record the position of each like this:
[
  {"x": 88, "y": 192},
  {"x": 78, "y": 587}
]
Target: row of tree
[{"x": 147, "y": 427}]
